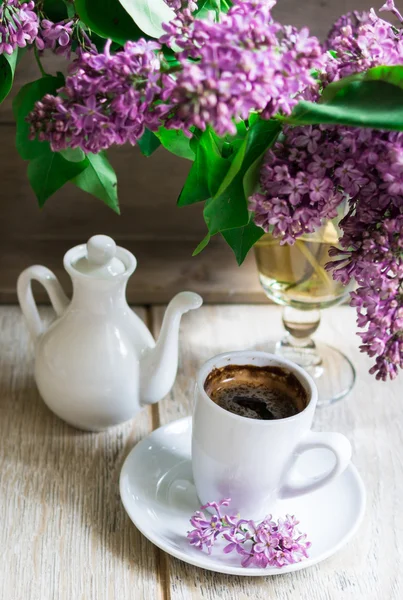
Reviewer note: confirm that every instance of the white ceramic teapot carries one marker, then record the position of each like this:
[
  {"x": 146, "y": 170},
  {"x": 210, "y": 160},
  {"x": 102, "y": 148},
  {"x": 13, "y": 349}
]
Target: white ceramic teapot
[{"x": 97, "y": 364}]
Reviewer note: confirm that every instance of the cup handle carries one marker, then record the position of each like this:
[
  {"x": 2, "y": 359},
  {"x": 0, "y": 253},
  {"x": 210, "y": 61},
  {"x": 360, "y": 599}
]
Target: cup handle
[{"x": 341, "y": 448}]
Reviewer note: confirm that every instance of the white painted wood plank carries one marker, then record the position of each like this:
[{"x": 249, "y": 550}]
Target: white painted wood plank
[
  {"x": 64, "y": 534},
  {"x": 370, "y": 566}
]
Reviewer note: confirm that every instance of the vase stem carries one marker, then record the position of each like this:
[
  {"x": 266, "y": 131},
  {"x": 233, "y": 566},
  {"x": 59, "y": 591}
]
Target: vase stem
[{"x": 297, "y": 345}]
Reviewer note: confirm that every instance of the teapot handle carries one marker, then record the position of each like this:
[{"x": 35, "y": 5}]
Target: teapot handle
[{"x": 26, "y": 299}]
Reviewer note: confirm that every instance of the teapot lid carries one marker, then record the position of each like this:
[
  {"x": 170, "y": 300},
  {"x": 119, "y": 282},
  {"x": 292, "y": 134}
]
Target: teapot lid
[{"x": 100, "y": 260}]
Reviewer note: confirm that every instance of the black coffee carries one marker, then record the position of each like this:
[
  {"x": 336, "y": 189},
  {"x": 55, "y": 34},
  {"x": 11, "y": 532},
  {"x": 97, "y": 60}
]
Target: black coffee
[{"x": 264, "y": 393}]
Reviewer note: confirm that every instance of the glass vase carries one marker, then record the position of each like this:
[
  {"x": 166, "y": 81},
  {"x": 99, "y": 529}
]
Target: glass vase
[{"x": 295, "y": 277}]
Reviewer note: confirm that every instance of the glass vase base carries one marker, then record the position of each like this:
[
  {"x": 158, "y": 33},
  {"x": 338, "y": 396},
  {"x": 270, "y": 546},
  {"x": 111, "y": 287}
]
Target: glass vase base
[{"x": 331, "y": 370}]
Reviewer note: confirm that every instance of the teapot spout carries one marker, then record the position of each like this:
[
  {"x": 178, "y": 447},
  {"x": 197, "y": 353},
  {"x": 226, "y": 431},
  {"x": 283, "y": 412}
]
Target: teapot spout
[{"x": 159, "y": 365}]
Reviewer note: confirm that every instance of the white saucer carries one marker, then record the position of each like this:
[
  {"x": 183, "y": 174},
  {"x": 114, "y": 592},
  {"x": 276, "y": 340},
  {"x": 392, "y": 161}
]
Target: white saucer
[{"x": 157, "y": 491}]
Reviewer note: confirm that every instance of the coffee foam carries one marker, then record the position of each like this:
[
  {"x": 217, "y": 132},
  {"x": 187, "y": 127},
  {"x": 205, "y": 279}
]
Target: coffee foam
[
  {"x": 264, "y": 393},
  {"x": 255, "y": 403}
]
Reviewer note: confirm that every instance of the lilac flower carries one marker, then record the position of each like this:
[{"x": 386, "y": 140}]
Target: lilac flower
[
  {"x": 245, "y": 62},
  {"x": 180, "y": 5},
  {"x": 364, "y": 167},
  {"x": 295, "y": 188},
  {"x": 390, "y": 7},
  {"x": 55, "y": 36},
  {"x": 205, "y": 532},
  {"x": 268, "y": 543},
  {"x": 207, "y": 529},
  {"x": 319, "y": 189},
  {"x": 240, "y": 536},
  {"x": 308, "y": 139},
  {"x": 299, "y": 205},
  {"x": 18, "y": 25},
  {"x": 320, "y": 164},
  {"x": 106, "y": 100},
  {"x": 265, "y": 547},
  {"x": 347, "y": 23},
  {"x": 361, "y": 41},
  {"x": 376, "y": 262}
]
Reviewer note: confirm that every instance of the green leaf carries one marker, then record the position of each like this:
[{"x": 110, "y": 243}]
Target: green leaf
[
  {"x": 393, "y": 75},
  {"x": 23, "y": 104},
  {"x": 170, "y": 57},
  {"x": 242, "y": 239},
  {"x": 148, "y": 143},
  {"x": 56, "y": 10},
  {"x": 149, "y": 15},
  {"x": 196, "y": 186},
  {"x": 7, "y": 70},
  {"x": 205, "y": 6},
  {"x": 206, "y": 172},
  {"x": 217, "y": 166},
  {"x": 228, "y": 209},
  {"x": 71, "y": 11},
  {"x": 73, "y": 154},
  {"x": 202, "y": 245},
  {"x": 49, "y": 172},
  {"x": 372, "y": 99},
  {"x": 99, "y": 180},
  {"x": 251, "y": 179},
  {"x": 259, "y": 138},
  {"x": 251, "y": 175},
  {"x": 108, "y": 19},
  {"x": 176, "y": 142},
  {"x": 202, "y": 8}
]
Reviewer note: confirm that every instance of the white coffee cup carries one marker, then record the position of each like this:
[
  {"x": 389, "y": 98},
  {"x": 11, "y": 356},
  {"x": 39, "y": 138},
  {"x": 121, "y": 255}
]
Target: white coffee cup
[{"x": 250, "y": 460}]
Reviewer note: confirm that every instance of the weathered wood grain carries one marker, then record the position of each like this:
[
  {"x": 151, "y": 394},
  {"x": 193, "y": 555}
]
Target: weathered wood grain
[
  {"x": 371, "y": 566},
  {"x": 64, "y": 533},
  {"x": 164, "y": 269},
  {"x": 148, "y": 189}
]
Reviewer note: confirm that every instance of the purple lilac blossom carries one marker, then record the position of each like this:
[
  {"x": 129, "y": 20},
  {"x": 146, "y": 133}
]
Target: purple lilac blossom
[
  {"x": 180, "y": 5},
  {"x": 313, "y": 169},
  {"x": 298, "y": 189},
  {"x": 389, "y": 6},
  {"x": 208, "y": 528},
  {"x": 303, "y": 180},
  {"x": 18, "y": 25},
  {"x": 246, "y": 62},
  {"x": 373, "y": 255},
  {"x": 361, "y": 40},
  {"x": 268, "y": 543},
  {"x": 55, "y": 36},
  {"x": 105, "y": 100}
]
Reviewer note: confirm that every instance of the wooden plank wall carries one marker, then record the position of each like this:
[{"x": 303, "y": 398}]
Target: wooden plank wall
[{"x": 161, "y": 235}]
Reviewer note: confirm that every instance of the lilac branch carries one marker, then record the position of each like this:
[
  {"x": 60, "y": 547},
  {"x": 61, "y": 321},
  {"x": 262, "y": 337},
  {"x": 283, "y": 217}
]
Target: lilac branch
[{"x": 266, "y": 543}]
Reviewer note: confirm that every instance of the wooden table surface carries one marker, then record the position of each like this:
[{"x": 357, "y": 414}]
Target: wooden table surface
[{"x": 64, "y": 534}]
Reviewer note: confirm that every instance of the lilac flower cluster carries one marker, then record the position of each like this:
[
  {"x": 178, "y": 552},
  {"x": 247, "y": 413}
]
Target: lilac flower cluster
[
  {"x": 374, "y": 257},
  {"x": 268, "y": 543},
  {"x": 362, "y": 40},
  {"x": 305, "y": 177},
  {"x": 181, "y": 5},
  {"x": 246, "y": 62},
  {"x": 313, "y": 169},
  {"x": 18, "y": 25},
  {"x": 299, "y": 185},
  {"x": 105, "y": 100},
  {"x": 55, "y": 36}
]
